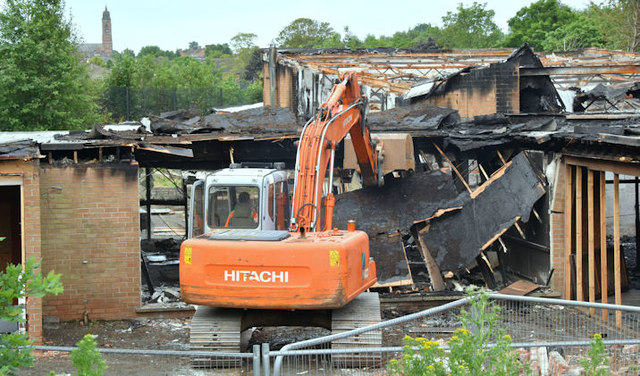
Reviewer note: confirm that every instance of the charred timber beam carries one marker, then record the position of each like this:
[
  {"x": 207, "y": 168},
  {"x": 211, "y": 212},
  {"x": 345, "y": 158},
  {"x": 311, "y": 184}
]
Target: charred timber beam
[
  {"x": 163, "y": 202},
  {"x": 584, "y": 70},
  {"x": 622, "y": 167}
]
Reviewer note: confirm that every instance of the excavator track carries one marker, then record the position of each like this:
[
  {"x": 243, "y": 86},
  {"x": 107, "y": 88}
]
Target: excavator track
[
  {"x": 360, "y": 312},
  {"x": 215, "y": 329}
]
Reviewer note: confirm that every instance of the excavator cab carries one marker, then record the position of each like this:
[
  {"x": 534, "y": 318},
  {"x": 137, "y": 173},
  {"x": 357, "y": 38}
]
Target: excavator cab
[{"x": 239, "y": 198}]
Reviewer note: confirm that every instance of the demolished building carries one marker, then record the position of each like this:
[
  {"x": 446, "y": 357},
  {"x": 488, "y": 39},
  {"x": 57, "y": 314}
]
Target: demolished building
[{"x": 488, "y": 135}]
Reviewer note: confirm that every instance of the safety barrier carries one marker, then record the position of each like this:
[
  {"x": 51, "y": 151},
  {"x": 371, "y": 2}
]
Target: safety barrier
[{"x": 543, "y": 330}]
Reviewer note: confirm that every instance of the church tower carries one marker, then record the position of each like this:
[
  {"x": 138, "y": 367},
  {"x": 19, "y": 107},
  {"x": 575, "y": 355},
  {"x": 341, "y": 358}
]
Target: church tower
[{"x": 107, "y": 41}]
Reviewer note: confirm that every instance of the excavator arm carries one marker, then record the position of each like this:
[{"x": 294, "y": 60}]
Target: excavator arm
[{"x": 343, "y": 113}]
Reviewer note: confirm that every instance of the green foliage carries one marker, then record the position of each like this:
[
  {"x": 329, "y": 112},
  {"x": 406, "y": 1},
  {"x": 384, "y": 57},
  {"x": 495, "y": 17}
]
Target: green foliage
[
  {"x": 580, "y": 33},
  {"x": 217, "y": 50},
  {"x": 350, "y": 40},
  {"x": 86, "y": 359},
  {"x": 415, "y": 37},
  {"x": 16, "y": 283},
  {"x": 531, "y": 24},
  {"x": 155, "y": 51},
  {"x": 97, "y": 61},
  {"x": 243, "y": 42},
  {"x": 471, "y": 27},
  {"x": 193, "y": 46},
  {"x": 597, "y": 361},
  {"x": 306, "y": 33},
  {"x": 469, "y": 353},
  {"x": 43, "y": 85},
  {"x": 619, "y": 23}
]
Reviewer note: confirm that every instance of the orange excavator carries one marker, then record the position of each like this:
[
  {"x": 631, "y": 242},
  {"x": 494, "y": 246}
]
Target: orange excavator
[{"x": 308, "y": 275}]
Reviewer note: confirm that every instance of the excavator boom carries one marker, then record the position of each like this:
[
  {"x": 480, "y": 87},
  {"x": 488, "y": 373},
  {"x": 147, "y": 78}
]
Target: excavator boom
[{"x": 343, "y": 113}]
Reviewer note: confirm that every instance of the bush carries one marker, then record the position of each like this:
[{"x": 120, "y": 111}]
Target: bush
[
  {"x": 469, "y": 353},
  {"x": 87, "y": 359},
  {"x": 17, "y": 283},
  {"x": 597, "y": 361}
]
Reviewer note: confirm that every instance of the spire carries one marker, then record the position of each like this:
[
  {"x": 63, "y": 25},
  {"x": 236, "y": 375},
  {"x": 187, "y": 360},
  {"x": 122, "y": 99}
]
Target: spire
[{"x": 105, "y": 14}]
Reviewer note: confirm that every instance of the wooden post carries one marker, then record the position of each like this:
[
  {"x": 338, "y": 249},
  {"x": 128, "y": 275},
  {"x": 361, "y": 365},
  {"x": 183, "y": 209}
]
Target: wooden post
[
  {"x": 579, "y": 282},
  {"x": 568, "y": 216},
  {"x": 591, "y": 247},
  {"x": 453, "y": 167},
  {"x": 437, "y": 282},
  {"x": 616, "y": 246},
  {"x": 148, "y": 171},
  {"x": 637, "y": 211},
  {"x": 604, "y": 283}
]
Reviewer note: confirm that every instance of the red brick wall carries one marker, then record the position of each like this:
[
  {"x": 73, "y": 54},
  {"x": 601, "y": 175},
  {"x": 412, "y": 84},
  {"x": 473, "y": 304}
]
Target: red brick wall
[
  {"x": 28, "y": 173},
  {"x": 90, "y": 234}
]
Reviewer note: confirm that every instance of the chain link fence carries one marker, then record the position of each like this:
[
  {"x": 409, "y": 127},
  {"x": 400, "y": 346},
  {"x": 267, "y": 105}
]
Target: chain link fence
[
  {"x": 126, "y": 103},
  {"x": 541, "y": 329},
  {"x": 548, "y": 333}
]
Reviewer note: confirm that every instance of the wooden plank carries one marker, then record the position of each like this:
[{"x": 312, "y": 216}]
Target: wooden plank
[
  {"x": 618, "y": 167},
  {"x": 520, "y": 287},
  {"x": 603, "y": 245},
  {"x": 568, "y": 217},
  {"x": 591, "y": 248},
  {"x": 579, "y": 282},
  {"x": 453, "y": 167},
  {"x": 435, "y": 275},
  {"x": 616, "y": 246}
]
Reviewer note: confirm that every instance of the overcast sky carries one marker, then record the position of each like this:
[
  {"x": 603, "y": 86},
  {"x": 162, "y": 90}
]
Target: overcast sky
[{"x": 173, "y": 24}]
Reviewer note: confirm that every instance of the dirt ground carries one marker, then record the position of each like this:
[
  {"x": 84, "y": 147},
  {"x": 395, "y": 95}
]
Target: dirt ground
[{"x": 152, "y": 334}]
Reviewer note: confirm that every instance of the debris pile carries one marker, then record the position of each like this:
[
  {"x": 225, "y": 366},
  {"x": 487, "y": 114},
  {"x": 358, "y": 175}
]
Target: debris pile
[{"x": 450, "y": 228}]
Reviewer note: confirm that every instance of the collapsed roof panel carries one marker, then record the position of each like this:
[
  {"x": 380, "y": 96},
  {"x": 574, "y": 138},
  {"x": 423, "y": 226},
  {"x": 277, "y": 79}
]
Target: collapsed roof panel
[{"x": 456, "y": 235}]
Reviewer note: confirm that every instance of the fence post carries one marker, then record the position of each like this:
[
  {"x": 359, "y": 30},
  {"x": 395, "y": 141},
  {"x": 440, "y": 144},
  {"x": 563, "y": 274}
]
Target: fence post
[
  {"x": 174, "y": 99},
  {"x": 265, "y": 360},
  {"x": 128, "y": 104},
  {"x": 256, "y": 360}
]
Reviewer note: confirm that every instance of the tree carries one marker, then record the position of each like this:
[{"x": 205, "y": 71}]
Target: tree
[
  {"x": 305, "y": 33},
  {"x": 15, "y": 283},
  {"x": 243, "y": 42},
  {"x": 619, "y": 23},
  {"x": 217, "y": 50},
  {"x": 122, "y": 71},
  {"x": 531, "y": 24},
  {"x": 350, "y": 40},
  {"x": 193, "y": 45},
  {"x": 471, "y": 27},
  {"x": 155, "y": 51},
  {"x": 43, "y": 85},
  {"x": 580, "y": 33}
]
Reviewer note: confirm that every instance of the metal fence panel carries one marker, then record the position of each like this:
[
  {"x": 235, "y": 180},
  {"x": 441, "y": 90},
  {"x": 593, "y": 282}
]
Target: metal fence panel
[
  {"x": 161, "y": 362},
  {"x": 540, "y": 329}
]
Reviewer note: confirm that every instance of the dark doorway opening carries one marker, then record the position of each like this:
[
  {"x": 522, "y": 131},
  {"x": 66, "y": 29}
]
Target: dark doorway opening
[{"x": 10, "y": 233}]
